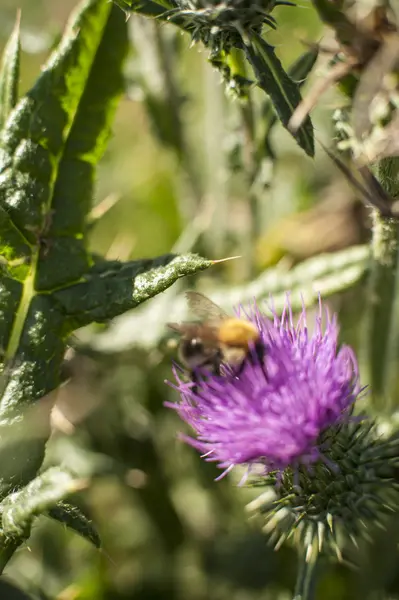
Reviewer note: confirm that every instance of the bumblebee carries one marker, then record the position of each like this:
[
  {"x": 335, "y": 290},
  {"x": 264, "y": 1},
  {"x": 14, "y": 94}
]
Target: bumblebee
[{"x": 216, "y": 339}]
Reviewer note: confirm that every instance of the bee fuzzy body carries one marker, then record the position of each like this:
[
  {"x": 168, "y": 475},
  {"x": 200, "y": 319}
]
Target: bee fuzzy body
[{"x": 215, "y": 341}]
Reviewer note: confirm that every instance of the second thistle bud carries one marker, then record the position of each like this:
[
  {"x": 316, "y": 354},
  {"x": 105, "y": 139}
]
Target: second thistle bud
[
  {"x": 220, "y": 25},
  {"x": 339, "y": 498}
]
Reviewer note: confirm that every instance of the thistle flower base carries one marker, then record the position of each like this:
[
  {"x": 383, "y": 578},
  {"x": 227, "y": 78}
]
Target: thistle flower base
[{"x": 336, "y": 501}]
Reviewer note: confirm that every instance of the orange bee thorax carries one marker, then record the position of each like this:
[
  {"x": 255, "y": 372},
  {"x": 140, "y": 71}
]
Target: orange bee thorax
[{"x": 237, "y": 333}]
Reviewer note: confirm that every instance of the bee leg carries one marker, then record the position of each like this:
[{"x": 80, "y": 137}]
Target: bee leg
[
  {"x": 260, "y": 354},
  {"x": 194, "y": 378},
  {"x": 216, "y": 367},
  {"x": 255, "y": 357}
]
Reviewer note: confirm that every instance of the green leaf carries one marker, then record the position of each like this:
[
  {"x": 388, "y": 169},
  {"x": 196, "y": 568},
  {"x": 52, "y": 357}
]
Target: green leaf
[
  {"x": 10, "y": 295},
  {"x": 9, "y": 73},
  {"x": 298, "y": 72},
  {"x": 328, "y": 274},
  {"x": 49, "y": 283},
  {"x": 48, "y": 150},
  {"x": 54, "y": 139},
  {"x": 300, "y": 69},
  {"x": 66, "y": 258},
  {"x": 283, "y": 91},
  {"x": 112, "y": 288},
  {"x": 40, "y": 495},
  {"x": 22, "y": 441},
  {"x": 32, "y": 144},
  {"x": 48, "y": 153},
  {"x": 74, "y": 519}
]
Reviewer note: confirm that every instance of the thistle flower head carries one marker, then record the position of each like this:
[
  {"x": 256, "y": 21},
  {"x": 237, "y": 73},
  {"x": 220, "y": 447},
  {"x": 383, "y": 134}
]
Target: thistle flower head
[
  {"x": 336, "y": 501},
  {"x": 219, "y": 24},
  {"x": 288, "y": 392}
]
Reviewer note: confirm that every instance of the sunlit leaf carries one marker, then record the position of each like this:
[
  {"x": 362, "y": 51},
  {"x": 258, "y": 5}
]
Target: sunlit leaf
[
  {"x": 40, "y": 495},
  {"x": 9, "y": 74},
  {"x": 283, "y": 91},
  {"x": 73, "y": 518},
  {"x": 112, "y": 288},
  {"x": 298, "y": 72}
]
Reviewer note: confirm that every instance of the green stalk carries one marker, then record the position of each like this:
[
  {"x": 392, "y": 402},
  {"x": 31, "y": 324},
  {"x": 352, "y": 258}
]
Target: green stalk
[
  {"x": 306, "y": 578},
  {"x": 381, "y": 320}
]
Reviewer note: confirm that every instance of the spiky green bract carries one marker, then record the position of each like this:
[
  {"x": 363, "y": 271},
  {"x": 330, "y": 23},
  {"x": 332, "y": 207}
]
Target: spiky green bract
[
  {"x": 238, "y": 24},
  {"x": 336, "y": 500},
  {"x": 220, "y": 26},
  {"x": 217, "y": 24}
]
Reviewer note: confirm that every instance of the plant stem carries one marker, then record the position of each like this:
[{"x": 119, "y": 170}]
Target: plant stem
[
  {"x": 305, "y": 583},
  {"x": 381, "y": 322}
]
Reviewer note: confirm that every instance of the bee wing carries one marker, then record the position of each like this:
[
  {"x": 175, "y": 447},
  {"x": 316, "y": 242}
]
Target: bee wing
[
  {"x": 192, "y": 330},
  {"x": 204, "y": 308}
]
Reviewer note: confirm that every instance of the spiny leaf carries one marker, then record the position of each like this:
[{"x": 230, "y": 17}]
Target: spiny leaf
[
  {"x": 112, "y": 288},
  {"x": 298, "y": 72},
  {"x": 326, "y": 273},
  {"x": 41, "y": 494},
  {"x": 10, "y": 296},
  {"x": 49, "y": 149},
  {"x": 65, "y": 119},
  {"x": 65, "y": 258},
  {"x": 301, "y": 68},
  {"x": 32, "y": 144},
  {"x": 48, "y": 135},
  {"x": 9, "y": 73},
  {"x": 22, "y": 442},
  {"x": 74, "y": 519},
  {"x": 283, "y": 91}
]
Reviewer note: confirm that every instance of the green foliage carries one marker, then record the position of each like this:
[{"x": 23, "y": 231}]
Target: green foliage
[
  {"x": 57, "y": 133},
  {"x": 283, "y": 91},
  {"x": 73, "y": 518},
  {"x": 111, "y": 288},
  {"x": 47, "y": 489},
  {"x": 326, "y": 274},
  {"x": 298, "y": 72},
  {"x": 9, "y": 74},
  {"x": 50, "y": 145},
  {"x": 213, "y": 177},
  {"x": 225, "y": 27}
]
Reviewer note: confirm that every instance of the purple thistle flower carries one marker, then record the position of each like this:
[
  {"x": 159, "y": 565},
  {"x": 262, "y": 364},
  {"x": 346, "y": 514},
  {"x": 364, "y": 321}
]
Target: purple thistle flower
[{"x": 274, "y": 410}]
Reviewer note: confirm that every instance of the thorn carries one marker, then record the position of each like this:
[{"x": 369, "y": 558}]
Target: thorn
[
  {"x": 221, "y": 260},
  {"x": 17, "y": 19},
  {"x": 108, "y": 557}
]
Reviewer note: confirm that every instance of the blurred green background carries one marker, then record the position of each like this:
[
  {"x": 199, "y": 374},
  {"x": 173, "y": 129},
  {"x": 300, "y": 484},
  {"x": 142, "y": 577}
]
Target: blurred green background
[{"x": 178, "y": 173}]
